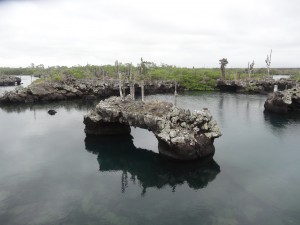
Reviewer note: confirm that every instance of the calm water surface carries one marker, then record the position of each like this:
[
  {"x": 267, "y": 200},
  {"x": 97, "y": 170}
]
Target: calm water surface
[{"x": 52, "y": 174}]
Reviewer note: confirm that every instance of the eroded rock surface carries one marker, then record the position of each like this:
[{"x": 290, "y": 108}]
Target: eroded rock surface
[
  {"x": 181, "y": 134},
  {"x": 262, "y": 86},
  {"x": 6, "y": 80},
  {"x": 77, "y": 89},
  {"x": 284, "y": 101}
]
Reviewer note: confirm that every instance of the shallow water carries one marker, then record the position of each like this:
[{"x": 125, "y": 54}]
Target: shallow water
[{"x": 52, "y": 174}]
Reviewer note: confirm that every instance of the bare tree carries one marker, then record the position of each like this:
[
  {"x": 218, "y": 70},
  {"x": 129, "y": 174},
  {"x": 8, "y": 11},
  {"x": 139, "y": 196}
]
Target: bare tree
[
  {"x": 142, "y": 72},
  {"x": 268, "y": 62},
  {"x": 103, "y": 73},
  {"x": 175, "y": 93},
  {"x": 32, "y": 66},
  {"x": 250, "y": 68},
  {"x": 235, "y": 75},
  {"x": 39, "y": 70},
  {"x": 223, "y": 63},
  {"x": 131, "y": 81},
  {"x": 118, "y": 74}
]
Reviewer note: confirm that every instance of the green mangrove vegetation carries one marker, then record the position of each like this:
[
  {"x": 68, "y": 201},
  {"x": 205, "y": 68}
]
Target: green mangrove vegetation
[{"x": 195, "y": 79}]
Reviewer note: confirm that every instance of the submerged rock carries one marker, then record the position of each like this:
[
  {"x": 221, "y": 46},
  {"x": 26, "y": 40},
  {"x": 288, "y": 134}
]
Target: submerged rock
[
  {"x": 284, "y": 101},
  {"x": 6, "y": 80},
  {"x": 181, "y": 135},
  {"x": 51, "y": 112}
]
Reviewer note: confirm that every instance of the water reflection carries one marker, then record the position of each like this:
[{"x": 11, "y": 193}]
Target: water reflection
[
  {"x": 68, "y": 105},
  {"x": 147, "y": 168},
  {"x": 278, "y": 121},
  {"x": 221, "y": 107}
]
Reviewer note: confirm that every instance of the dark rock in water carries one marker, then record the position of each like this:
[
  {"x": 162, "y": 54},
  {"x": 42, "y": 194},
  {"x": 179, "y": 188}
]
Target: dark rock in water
[
  {"x": 88, "y": 89},
  {"x": 181, "y": 135},
  {"x": 9, "y": 80},
  {"x": 52, "y": 112},
  {"x": 283, "y": 101},
  {"x": 262, "y": 86}
]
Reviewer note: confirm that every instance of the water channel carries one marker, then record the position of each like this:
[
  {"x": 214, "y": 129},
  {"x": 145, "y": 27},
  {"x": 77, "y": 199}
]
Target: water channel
[{"x": 52, "y": 174}]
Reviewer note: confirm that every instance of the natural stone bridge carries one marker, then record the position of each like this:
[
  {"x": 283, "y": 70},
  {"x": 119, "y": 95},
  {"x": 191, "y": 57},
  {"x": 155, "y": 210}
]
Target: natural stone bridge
[{"x": 181, "y": 134}]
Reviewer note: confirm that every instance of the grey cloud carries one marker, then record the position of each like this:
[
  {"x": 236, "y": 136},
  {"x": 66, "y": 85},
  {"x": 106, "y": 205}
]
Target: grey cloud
[{"x": 192, "y": 33}]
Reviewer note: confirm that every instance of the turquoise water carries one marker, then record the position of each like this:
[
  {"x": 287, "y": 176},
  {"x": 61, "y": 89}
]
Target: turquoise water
[{"x": 52, "y": 174}]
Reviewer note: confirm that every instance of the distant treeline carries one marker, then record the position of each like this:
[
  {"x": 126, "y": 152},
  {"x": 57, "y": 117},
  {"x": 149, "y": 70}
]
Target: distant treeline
[
  {"x": 16, "y": 71},
  {"x": 191, "y": 78}
]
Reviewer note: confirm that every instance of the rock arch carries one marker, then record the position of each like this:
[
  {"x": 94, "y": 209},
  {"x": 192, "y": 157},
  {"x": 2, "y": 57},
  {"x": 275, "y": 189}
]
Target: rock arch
[{"x": 181, "y": 134}]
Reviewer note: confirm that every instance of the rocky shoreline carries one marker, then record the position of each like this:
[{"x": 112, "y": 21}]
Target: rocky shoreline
[
  {"x": 263, "y": 86},
  {"x": 181, "y": 134},
  {"x": 283, "y": 102},
  {"x": 78, "y": 89},
  {"x": 6, "y": 80}
]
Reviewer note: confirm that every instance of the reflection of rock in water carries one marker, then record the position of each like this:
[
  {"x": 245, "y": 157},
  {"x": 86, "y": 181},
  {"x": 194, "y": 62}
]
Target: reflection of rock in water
[
  {"x": 149, "y": 168},
  {"x": 68, "y": 105},
  {"x": 281, "y": 121}
]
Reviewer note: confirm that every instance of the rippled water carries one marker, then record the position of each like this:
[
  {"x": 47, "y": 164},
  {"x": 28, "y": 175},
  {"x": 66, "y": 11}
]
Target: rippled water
[{"x": 52, "y": 174}]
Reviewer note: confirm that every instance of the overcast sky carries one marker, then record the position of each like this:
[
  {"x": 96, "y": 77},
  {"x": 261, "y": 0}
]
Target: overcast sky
[{"x": 183, "y": 33}]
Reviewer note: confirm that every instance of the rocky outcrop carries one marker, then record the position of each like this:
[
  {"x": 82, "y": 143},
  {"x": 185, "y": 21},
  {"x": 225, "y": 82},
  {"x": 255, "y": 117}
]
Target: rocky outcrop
[
  {"x": 181, "y": 134},
  {"x": 51, "y": 112},
  {"x": 262, "y": 86},
  {"x": 77, "y": 89},
  {"x": 6, "y": 80},
  {"x": 284, "y": 101}
]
